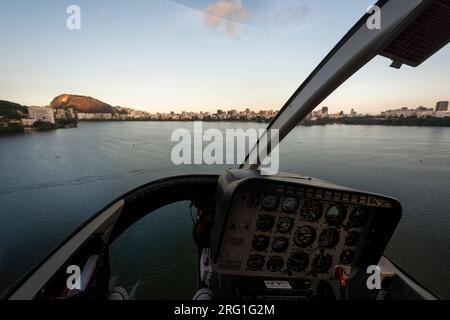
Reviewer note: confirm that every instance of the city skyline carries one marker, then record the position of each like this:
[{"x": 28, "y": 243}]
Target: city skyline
[
  {"x": 65, "y": 113},
  {"x": 433, "y": 106},
  {"x": 194, "y": 55}
]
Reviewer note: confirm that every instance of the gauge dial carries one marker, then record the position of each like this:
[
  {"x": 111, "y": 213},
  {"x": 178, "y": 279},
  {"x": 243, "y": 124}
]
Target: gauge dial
[
  {"x": 347, "y": 256},
  {"x": 335, "y": 215},
  {"x": 285, "y": 225},
  {"x": 270, "y": 203},
  {"x": 260, "y": 243},
  {"x": 358, "y": 217},
  {"x": 280, "y": 244},
  {"x": 255, "y": 262},
  {"x": 352, "y": 238},
  {"x": 304, "y": 236},
  {"x": 265, "y": 223},
  {"x": 290, "y": 205},
  {"x": 275, "y": 264},
  {"x": 322, "y": 263},
  {"x": 311, "y": 210},
  {"x": 298, "y": 262},
  {"x": 329, "y": 238}
]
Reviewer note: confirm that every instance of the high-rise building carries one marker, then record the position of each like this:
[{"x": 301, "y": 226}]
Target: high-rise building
[
  {"x": 45, "y": 114},
  {"x": 325, "y": 111},
  {"x": 442, "y": 106}
]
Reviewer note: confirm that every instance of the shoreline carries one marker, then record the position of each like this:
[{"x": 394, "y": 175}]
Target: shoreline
[
  {"x": 393, "y": 122},
  {"x": 419, "y": 123}
]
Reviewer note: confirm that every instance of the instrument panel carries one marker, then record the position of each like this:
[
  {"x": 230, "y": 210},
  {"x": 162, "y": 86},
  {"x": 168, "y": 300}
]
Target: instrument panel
[{"x": 286, "y": 230}]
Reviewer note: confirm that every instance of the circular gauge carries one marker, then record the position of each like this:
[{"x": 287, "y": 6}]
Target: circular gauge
[
  {"x": 255, "y": 262},
  {"x": 358, "y": 217},
  {"x": 260, "y": 243},
  {"x": 322, "y": 263},
  {"x": 285, "y": 225},
  {"x": 280, "y": 244},
  {"x": 265, "y": 223},
  {"x": 275, "y": 264},
  {"x": 290, "y": 205},
  {"x": 335, "y": 215},
  {"x": 347, "y": 256},
  {"x": 352, "y": 238},
  {"x": 304, "y": 236},
  {"x": 329, "y": 238},
  {"x": 311, "y": 210},
  {"x": 270, "y": 203},
  {"x": 298, "y": 262}
]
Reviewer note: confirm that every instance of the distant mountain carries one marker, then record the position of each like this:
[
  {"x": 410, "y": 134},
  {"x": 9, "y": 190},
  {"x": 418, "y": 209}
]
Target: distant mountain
[
  {"x": 81, "y": 104},
  {"x": 12, "y": 110}
]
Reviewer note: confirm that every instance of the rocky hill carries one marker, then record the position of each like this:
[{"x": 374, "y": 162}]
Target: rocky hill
[{"x": 81, "y": 104}]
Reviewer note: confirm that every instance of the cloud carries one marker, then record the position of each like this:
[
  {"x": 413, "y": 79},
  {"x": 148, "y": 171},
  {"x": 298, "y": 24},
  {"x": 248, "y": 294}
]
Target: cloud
[
  {"x": 235, "y": 16},
  {"x": 228, "y": 14}
]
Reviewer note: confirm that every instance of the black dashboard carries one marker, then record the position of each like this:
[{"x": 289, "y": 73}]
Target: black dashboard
[{"x": 294, "y": 227}]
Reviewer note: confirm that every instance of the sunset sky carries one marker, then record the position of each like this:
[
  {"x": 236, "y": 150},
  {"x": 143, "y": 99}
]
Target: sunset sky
[{"x": 194, "y": 55}]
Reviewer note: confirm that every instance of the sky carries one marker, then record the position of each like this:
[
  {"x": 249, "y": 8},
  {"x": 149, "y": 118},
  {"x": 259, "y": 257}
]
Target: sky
[{"x": 197, "y": 55}]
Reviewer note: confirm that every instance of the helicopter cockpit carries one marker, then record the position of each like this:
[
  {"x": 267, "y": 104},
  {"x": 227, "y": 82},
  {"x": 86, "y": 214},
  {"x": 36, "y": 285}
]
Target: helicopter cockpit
[{"x": 271, "y": 237}]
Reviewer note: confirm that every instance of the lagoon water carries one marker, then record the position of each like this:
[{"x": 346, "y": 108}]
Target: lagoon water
[{"x": 53, "y": 181}]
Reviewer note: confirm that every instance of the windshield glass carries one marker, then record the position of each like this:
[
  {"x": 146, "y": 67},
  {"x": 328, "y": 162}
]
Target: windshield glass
[
  {"x": 381, "y": 132},
  {"x": 93, "y": 95}
]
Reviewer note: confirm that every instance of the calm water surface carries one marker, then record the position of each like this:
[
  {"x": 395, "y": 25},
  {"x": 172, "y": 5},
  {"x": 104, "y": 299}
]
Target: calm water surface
[{"x": 51, "y": 182}]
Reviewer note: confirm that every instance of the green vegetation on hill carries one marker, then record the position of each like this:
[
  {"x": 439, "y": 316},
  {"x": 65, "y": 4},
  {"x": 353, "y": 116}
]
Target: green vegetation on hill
[
  {"x": 11, "y": 113},
  {"x": 10, "y": 110}
]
